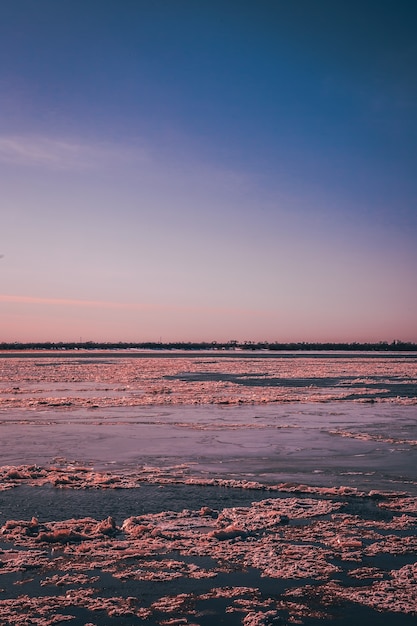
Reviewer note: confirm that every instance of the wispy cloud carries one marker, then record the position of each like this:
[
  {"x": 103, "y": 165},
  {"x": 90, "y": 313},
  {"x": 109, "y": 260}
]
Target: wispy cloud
[
  {"x": 69, "y": 302},
  {"x": 130, "y": 306},
  {"x": 59, "y": 153}
]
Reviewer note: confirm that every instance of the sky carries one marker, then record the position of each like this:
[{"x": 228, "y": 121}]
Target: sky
[{"x": 211, "y": 170}]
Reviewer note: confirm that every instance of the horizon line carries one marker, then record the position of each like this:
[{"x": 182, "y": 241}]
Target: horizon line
[{"x": 231, "y": 343}]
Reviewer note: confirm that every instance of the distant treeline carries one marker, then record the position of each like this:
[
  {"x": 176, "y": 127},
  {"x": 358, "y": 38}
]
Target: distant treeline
[{"x": 382, "y": 346}]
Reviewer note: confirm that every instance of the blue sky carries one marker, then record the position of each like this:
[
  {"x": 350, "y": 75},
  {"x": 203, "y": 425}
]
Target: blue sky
[{"x": 208, "y": 170}]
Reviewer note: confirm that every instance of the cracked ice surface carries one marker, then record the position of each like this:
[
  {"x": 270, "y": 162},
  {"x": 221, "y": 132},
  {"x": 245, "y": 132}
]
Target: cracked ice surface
[{"x": 179, "y": 490}]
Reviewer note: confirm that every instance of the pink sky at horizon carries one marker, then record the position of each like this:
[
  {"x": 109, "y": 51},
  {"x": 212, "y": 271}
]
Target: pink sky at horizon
[{"x": 74, "y": 320}]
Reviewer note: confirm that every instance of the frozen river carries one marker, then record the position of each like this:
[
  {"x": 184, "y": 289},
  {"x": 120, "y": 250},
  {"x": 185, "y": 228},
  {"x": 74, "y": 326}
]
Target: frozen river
[
  {"x": 205, "y": 488},
  {"x": 319, "y": 418}
]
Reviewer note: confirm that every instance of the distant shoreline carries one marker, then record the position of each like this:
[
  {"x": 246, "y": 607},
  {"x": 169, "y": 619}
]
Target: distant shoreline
[{"x": 213, "y": 347}]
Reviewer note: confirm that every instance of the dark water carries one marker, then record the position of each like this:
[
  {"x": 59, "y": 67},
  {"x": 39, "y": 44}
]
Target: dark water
[
  {"x": 373, "y": 388},
  {"x": 50, "y": 504}
]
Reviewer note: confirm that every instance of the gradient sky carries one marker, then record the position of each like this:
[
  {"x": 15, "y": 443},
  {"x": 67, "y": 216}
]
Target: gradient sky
[{"x": 208, "y": 170}]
